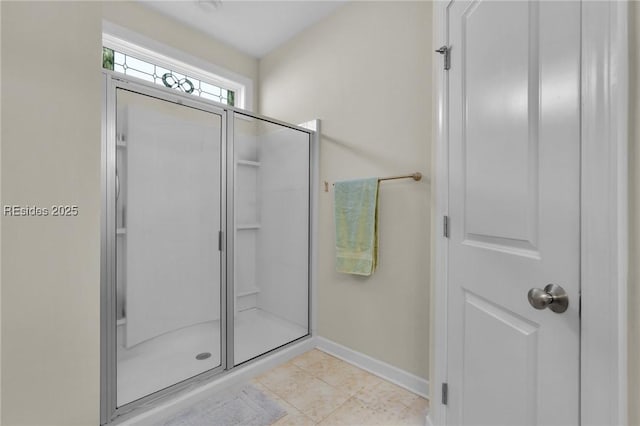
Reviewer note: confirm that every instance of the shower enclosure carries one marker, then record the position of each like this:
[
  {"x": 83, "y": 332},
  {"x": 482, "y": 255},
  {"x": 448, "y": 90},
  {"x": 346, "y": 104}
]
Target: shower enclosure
[{"x": 206, "y": 240}]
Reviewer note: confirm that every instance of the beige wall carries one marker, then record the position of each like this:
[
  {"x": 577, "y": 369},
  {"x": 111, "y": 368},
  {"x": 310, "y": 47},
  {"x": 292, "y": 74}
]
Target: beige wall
[
  {"x": 634, "y": 215},
  {"x": 51, "y": 108},
  {"x": 154, "y": 25},
  {"x": 51, "y": 102},
  {"x": 365, "y": 71}
]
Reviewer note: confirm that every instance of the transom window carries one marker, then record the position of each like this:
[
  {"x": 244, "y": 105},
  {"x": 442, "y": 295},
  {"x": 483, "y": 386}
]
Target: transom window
[{"x": 129, "y": 65}]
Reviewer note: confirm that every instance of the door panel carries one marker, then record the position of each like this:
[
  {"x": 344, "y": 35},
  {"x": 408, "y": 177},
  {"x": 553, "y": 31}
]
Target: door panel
[
  {"x": 271, "y": 242},
  {"x": 496, "y": 89},
  {"x": 514, "y": 121},
  {"x": 168, "y": 214},
  {"x": 497, "y": 340}
]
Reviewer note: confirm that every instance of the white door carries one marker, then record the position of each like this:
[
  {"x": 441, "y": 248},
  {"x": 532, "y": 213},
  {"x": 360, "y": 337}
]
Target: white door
[{"x": 514, "y": 164}]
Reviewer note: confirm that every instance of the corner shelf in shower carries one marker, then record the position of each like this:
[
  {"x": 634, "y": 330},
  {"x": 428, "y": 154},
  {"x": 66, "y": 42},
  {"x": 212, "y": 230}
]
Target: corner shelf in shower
[
  {"x": 121, "y": 231},
  {"x": 120, "y": 144},
  {"x": 249, "y": 292},
  {"x": 248, "y": 226},
  {"x": 248, "y": 163}
]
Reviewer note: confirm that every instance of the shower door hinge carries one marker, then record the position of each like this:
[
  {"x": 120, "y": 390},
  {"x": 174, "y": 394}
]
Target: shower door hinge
[
  {"x": 219, "y": 240},
  {"x": 445, "y": 226},
  {"x": 445, "y": 393},
  {"x": 446, "y": 51}
]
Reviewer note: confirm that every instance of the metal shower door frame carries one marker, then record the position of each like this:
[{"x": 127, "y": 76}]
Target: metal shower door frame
[
  {"x": 109, "y": 409},
  {"x": 108, "y": 362}
]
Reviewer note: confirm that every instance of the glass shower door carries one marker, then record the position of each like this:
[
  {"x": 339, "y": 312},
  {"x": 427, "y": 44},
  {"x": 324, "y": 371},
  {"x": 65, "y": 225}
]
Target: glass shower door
[
  {"x": 168, "y": 264},
  {"x": 271, "y": 244}
]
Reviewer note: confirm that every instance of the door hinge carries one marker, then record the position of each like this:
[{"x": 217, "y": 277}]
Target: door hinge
[
  {"x": 580, "y": 305},
  {"x": 445, "y": 393},
  {"x": 219, "y": 240},
  {"x": 446, "y": 51},
  {"x": 445, "y": 226}
]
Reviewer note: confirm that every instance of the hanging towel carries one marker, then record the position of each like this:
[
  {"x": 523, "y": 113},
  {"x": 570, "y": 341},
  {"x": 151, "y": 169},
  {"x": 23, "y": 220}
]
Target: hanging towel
[{"x": 355, "y": 210}]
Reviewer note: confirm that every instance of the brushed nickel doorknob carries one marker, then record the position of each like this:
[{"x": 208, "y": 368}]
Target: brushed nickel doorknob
[{"x": 553, "y": 296}]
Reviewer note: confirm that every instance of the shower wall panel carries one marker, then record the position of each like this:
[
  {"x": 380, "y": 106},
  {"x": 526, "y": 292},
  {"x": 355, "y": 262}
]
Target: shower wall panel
[
  {"x": 172, "y": 218},
  {"x": 283, "y": 243},
  {"x": 247, "y": 219},
  {"x": 271, "y": 238}
]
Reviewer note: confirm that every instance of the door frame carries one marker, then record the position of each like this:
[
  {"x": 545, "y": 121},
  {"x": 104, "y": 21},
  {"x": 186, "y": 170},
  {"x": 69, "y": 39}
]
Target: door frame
[{"x": 603, "y": 214}]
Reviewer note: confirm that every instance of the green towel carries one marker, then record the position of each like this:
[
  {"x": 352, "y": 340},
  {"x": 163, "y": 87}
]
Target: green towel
[{"x": 356, "y": 211}]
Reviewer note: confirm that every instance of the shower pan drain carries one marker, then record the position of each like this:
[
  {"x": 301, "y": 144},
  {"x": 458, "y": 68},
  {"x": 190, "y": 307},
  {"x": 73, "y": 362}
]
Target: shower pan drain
[{"x": 203, "y": 355}]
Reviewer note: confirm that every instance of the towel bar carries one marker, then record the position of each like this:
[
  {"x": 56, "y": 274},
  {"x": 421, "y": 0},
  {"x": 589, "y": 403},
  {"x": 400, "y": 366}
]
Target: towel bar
[{"x": 415, "y": 176}]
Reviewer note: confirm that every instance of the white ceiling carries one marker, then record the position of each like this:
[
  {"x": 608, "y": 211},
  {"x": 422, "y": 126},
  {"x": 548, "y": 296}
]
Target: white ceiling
[{"x": 254, "y": 27}]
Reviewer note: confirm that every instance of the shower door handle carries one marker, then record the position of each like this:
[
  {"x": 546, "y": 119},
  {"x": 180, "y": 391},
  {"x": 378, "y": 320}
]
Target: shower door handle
[{"x": 117, "y": 186}]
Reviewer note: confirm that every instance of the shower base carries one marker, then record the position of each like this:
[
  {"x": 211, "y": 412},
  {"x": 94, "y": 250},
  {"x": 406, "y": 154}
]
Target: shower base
[{"x": 171, "y": 357}]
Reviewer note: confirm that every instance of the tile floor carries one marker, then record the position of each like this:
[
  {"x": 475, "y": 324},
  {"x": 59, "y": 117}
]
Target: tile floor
[{"x": 318, "y": 389}]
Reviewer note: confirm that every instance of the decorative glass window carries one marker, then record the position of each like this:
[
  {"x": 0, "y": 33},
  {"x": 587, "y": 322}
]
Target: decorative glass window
[{"x": 127, "y": 64}]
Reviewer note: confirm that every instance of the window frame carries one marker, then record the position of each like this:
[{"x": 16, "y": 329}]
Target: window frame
[{"x": 239, "y": 85}]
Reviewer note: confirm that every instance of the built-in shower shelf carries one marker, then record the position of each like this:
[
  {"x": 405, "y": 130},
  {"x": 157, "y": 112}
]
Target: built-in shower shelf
[
  {"x": 248, "y": 226},
  {"x": 121, "y": 231},
  {"x": 120, "y": 144},
  {"x": 121, "y": 321},
  {"x": 248, "y": 163},
  {"x": 250, "y": 292}
]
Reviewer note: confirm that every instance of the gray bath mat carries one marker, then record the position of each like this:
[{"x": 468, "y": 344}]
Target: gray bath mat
[{"x": 246, "y": 406}]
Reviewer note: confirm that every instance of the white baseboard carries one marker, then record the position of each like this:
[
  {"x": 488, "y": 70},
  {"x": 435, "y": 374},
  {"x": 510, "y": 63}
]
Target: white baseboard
[{"x": 386, "y": 371}]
